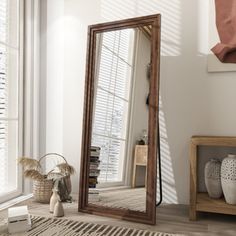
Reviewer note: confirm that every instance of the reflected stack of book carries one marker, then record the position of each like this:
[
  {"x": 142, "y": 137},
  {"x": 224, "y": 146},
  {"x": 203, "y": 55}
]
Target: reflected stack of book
[{"x": 94, "y": 172}]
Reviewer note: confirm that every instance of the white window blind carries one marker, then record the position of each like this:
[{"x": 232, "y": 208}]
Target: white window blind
[
  {"x": 9, "y": 84},
  {"x": 114, "y": 72}
]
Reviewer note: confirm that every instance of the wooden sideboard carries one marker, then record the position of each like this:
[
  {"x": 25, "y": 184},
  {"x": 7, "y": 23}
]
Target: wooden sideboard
[{"x": 201, "y": 202}]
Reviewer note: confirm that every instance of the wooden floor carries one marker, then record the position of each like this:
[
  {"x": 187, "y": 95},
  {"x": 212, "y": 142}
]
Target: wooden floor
[
  {"x": 135, "y": 199},
  {"x": 170, "y": 218}
]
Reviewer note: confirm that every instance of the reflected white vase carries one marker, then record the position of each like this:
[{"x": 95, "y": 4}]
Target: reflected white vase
[
  {"x": 228, "y": 178},
  {"x": 212, "y": 178}
]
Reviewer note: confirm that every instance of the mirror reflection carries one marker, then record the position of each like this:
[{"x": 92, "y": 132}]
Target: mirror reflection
[{"x": 119, "y": 144}]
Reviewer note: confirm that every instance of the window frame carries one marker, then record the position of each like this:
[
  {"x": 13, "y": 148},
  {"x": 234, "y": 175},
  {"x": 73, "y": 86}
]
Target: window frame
[
  {"x": 20, "y": 127},
  {"x": 125, "y": 176}
]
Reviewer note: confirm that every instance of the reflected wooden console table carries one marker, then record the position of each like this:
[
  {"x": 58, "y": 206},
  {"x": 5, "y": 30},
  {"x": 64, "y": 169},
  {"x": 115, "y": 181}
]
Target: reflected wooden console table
[
  {"x": 201, "y": 202},
  {"x": 140, "y": 159}
]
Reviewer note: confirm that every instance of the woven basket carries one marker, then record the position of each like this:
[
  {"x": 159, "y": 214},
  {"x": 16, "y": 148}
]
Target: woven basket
[{"x": 42, "y": 189}]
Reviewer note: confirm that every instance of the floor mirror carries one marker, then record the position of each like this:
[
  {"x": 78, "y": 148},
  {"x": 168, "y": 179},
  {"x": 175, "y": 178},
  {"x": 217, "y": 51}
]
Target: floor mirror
[{"x": 120, "y": 142}]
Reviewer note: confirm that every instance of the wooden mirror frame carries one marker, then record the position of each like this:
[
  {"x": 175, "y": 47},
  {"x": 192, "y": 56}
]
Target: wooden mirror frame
[{"x": 149, "y": 216}]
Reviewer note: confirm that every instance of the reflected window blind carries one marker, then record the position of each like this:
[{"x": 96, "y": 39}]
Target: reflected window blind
[
  {"x": 8, "y": 50},
  {"x": 112, "y": 102}
]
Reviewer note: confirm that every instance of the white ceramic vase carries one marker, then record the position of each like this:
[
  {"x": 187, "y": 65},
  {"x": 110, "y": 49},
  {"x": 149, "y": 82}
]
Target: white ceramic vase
[
  {"x": 212, "y": 178},
  {"x": 58, "y": 209},
  {"x": 228, "y": 178},
  {"x": 53, "y": 200}
]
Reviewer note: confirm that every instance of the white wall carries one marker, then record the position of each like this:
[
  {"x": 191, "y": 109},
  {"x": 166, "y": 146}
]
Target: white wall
[
  {"x": 193, "y": 101},
  {"x": 52, "y": 78},
  {"x": 139, "y": 109}
]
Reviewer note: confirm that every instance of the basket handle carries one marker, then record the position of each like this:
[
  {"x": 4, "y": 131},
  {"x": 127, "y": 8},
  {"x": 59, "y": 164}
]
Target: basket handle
[{"x": 54, "y": 154}]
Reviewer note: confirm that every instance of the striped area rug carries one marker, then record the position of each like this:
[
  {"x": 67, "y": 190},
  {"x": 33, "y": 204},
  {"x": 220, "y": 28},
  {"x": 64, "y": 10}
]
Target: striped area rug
[{"x": 63, "y": 227}]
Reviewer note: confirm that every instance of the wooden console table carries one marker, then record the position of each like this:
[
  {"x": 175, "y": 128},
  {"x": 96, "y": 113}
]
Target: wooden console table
[{"x": 201, "y": 202}]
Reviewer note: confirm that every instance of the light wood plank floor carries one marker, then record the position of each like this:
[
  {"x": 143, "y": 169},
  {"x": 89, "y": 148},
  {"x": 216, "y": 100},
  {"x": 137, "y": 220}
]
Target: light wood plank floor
[
  {"x": 135, "y": 199},
  {"x": 170, "y": 218}
]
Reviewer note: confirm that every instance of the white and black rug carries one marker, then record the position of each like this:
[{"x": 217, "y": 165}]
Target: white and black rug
[{"x": 63, "y": 227}]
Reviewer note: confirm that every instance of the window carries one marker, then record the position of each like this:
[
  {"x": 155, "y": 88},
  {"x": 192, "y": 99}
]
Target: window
[
  {"x": 10, "y": 120},
  {"x": 110, "y": 123}
]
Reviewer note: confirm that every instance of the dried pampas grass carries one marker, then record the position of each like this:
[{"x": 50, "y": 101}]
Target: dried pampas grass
[
  {"x": 66, "y": 169},
  {"x": 29, "y": 163},
  {"x": 34, "y": 174},
  {"x": 33, "y": 169}
]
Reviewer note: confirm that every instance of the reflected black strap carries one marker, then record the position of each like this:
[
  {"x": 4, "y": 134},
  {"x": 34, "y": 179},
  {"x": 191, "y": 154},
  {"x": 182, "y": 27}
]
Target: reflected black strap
[{"x": 160, "y": 175}]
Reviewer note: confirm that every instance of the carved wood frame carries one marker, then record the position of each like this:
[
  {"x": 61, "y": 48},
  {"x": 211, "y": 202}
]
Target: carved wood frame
[{"x": 149, "y": 216}]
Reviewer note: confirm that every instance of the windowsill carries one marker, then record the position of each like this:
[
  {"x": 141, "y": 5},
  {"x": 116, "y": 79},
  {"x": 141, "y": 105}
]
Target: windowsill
[{"x": 15, "y": 201}]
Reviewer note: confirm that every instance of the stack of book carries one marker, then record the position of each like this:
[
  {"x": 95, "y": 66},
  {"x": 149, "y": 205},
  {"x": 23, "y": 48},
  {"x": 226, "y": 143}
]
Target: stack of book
[
  {"x": 94, "y": 173},
  {"x": 18, "y": 219}
]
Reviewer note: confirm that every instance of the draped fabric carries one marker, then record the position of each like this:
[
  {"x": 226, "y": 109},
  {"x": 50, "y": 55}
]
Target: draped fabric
[{"x": 225, "y": 50}]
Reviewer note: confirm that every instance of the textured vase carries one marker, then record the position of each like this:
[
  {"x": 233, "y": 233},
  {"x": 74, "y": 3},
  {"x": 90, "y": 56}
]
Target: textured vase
[
  {"x": 212, "y": 178},
  {"x": 228, "y": 178},
  {"x": 53, "y": 200},
  {"x": 58, "y": 209}
]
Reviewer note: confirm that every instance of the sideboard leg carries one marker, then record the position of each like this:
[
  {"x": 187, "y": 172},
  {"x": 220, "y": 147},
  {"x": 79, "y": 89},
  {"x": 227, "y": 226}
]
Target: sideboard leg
[{"x": 192, "y": 214}]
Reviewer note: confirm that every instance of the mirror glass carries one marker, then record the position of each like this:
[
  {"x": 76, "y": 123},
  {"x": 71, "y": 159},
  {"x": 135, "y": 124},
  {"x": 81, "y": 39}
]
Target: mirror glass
[{"x": 119, "y": 136}]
